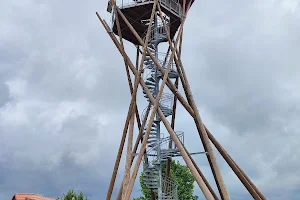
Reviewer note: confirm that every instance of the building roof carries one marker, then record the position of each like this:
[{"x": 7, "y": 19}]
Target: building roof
[{"x": 26, "y": 196}]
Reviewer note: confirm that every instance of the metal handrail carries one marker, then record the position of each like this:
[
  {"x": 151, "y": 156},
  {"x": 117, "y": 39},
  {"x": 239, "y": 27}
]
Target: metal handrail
[
  {"x": 172, "y": 5},
  {"x": 166, "y": 100},
  {"x": 160, "y": 28},
  {"x": 166, "y": 140},
  {"x": 171, "y": 184}
]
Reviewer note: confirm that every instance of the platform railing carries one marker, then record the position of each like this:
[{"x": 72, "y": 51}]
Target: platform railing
[
  {"x": 172, "y": 5},
  {"x": 159, "y": 29}
]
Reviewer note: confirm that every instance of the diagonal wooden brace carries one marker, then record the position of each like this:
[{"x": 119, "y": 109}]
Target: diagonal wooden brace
[
  {"x": 198, "y": 178},
  {"x": 170, "y": 86},
  {"x": 132, "y": 104}
]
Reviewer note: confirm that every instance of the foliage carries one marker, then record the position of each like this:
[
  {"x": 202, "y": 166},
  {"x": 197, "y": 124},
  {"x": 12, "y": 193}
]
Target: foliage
[
  {"x": 139, "y": 198},
  {"x": 71, "y": 194},
  {"x": 181, "y": 174}
]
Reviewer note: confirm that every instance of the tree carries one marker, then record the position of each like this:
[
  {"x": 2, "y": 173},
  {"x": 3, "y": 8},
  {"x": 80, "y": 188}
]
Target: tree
[
  {"x": 182, "y": 175},
  {"x": 71, "y": 195}
]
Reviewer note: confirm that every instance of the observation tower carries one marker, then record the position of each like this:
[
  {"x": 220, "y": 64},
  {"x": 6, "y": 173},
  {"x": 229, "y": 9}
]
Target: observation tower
[{"x": 155, "y": 27}]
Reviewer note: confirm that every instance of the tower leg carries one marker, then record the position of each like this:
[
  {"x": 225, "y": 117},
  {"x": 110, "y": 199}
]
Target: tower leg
[
  {"x": 190, "y": 106},
  {"x": 135, "y": 147},
  {"x": 242, "y": 176},
  {"x": 174, "y": 137},
  {"x": 168, "y": 166},
  {"x": 203, "y": 135},
  {"x": 132, "y": 104}
]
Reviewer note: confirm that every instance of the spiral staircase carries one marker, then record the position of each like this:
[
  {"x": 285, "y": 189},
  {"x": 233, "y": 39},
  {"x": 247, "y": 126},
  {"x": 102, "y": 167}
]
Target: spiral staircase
[{"x": 159, "y": 148}]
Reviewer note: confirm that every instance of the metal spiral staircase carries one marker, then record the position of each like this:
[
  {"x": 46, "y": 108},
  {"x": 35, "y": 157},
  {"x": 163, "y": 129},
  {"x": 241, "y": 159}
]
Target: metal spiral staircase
[{"x": 159, "y": 148}]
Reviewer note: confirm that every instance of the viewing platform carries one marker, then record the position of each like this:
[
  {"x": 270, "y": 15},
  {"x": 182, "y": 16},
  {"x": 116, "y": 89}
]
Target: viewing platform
[{"x": 138, "y": 13}]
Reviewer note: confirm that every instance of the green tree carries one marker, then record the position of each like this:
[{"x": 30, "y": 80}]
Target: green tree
[
  {"x": 71, "y": 195},
  {"x": 182, "y": 175}
]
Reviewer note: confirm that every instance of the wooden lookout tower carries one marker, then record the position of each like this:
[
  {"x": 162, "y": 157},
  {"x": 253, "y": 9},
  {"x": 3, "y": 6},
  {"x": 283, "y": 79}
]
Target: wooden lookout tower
[{"x": 151, "y": 25}]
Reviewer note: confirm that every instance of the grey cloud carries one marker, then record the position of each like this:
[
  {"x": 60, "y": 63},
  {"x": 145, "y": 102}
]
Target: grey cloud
[
  {"x": 65, "y": 92},
  {"x": 4, "y": 97},
  {"x": 247, "y": 83}
]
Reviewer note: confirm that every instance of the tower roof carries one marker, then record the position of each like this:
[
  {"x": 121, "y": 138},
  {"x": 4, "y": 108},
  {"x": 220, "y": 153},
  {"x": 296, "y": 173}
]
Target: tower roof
[{"x": 29, "y": 196}]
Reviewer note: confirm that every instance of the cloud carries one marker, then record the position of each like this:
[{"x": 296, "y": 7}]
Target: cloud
[
  {"x": 64, "y": 94},
  {"x": 247, "y": 72}
]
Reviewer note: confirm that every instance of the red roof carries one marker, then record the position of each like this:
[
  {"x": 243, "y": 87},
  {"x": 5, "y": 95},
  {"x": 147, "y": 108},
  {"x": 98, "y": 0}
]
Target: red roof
[{"x": 24, "y": 196}]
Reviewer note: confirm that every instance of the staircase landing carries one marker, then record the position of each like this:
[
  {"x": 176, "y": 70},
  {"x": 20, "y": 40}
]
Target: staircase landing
[{"x": 137, "y": 12}]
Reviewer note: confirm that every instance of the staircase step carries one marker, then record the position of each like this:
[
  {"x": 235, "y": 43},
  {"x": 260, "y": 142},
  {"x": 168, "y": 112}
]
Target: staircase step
[
  {"x": 150, "y": 83},
  {"x": 150, "y": 180}
]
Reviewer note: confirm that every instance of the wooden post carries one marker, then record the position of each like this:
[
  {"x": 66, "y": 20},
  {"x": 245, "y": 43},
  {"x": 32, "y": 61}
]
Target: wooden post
[
  {"x": 179, "y": 145},
  {"x": 131, "y": 125},
  {"x": 155, "y": 108},
  {"x": 198, "y": 178},
  {"x": 129, "y": 155},
  {"x": 132, "y": 104},
  {"x": 180, "y": 98},
  {"x": 138, "y": 75},
  {"x": 249, "y": 181},
  {"x": 206, "y": 143},
  {"x": 203, "y": 177},
  {"x": 204, "y": 138},
  {"x": 139, "y": 138},
  {"x": 246, "y": 177},
  {"x": 169, "y": 82},
  {"x": 234, "y": 167},
  {"x": 168, "y": 167}
]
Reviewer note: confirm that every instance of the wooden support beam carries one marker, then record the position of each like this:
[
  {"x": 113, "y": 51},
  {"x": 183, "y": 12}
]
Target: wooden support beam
[
  {"x": 180, "y": 45},
  {"x": 235, "y": 168},
  {"x": 141, "y": 128},
  {"x": 249, "y": 181},
  {"x": 139, "y": 138},
  {"x": 169, "y": 82},
  {"x": 203, "y": 177},
  {"x": 131, "y": 123},
  {"x": 168, "y": 167},
  {"x": 201, "y": 130},
  {"x": 127, "y": 190},
  {"x": 129, "y": 155},
  {"x": 155, "y": 108},
  {"x": 173, "y": 89},
  {"x": 132, "y": 105},
  {"x": 205, "y": 140},
  {"x": 198, "y": 178}
]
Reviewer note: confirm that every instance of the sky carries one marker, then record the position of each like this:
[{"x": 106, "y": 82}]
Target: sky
[{"x": 64, "y": 95}]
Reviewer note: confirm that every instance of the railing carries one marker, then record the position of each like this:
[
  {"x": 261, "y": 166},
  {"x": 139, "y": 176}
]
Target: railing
[
  {"x": 144, "y": 112},
  {"x": 164, "y": 143},
  {"x": 164, "y": 60},
  {"x": 160, "y": 31},
  {"x": 166, "y": 100},
  {"x": 170, "y": 187},
  {"x": 130, "y": 3},
  {"x": 164, "y": 64},
  {"x": 172, "y": 5},
  {"x": 112, "y": 17}
]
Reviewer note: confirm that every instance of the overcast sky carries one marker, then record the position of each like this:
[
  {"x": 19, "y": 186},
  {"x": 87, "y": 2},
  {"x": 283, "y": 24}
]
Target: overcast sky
[{"x": 64, "y": 94}]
